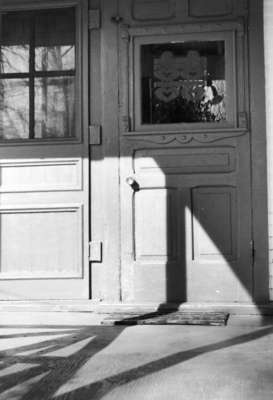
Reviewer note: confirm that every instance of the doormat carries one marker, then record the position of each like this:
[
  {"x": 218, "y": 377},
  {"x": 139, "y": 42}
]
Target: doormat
[{"x": 171, "y": 318}]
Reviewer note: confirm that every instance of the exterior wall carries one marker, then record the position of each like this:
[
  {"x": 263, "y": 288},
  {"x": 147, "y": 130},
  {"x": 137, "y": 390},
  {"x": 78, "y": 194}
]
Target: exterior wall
[{"x": 268, "y": 34}]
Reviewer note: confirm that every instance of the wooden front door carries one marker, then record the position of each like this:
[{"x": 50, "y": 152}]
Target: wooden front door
[
  {"x": 185, "y": 152},
  {"x": 44, "y": 158}
]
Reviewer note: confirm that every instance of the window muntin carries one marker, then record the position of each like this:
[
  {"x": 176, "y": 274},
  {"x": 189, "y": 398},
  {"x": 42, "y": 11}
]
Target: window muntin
[{"x": 37, "y": 74}]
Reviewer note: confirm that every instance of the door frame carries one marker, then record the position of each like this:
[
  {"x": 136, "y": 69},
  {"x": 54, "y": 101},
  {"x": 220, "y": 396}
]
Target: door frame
[
  {"x": 104, "y": 192},
  {"x": 257, "y": 123}
]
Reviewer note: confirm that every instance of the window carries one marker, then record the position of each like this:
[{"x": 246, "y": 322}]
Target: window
[
  {"x": 182, "y": 81},
  {"x": 37, "y": 74}
]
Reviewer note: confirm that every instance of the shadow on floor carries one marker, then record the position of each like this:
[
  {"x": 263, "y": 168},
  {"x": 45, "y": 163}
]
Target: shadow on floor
[
  {"x": 52, "y": 362},
  {"x": 54, "y": 359}
]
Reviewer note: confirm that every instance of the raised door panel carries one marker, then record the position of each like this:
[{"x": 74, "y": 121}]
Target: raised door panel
[
  {"x": 214, "y": 224},
  {"x": 155, "y": 226},
  {"x": 40, "y": 175},
  {"x": 41, "y": 243},
  {"x": 179, "y": 160},
  {"x": 212, "y": 269},
  {"x": 208, "y": 8},
  {"x": 157, "y": 270},
  {"x": 136, "y": 12},
  {"x": 143, "y": 10}
]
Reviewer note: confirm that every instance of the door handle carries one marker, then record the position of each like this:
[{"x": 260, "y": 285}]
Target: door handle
[{"x": 132, "y": 183}]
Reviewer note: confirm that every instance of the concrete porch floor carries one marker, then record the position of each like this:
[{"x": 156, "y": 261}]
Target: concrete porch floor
[{"x": 68, "y": 355}]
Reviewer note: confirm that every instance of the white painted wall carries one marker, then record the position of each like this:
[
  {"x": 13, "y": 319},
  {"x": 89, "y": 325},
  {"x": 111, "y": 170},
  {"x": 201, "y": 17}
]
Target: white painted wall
[{"x": 268, "y": 38}]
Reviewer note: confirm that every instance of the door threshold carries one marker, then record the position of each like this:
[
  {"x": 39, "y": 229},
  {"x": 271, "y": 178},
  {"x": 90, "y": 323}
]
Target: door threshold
[{"x": 94, "y": 306}]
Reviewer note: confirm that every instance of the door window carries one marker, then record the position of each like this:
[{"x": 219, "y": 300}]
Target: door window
[
  {"x": 183, "y": 82},
  {"x": 37, "y": 74}
]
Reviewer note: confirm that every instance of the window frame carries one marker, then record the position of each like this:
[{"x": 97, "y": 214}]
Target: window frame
[
  {"x": 192, "y": 37},
  {"x": 131, "y": 40},
  {"x": 81, "y": 72}
]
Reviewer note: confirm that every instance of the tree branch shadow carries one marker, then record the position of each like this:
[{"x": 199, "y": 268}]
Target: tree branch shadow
[
  {"x": 58, "y": 369},
  {"x": 99, "y": 389}
]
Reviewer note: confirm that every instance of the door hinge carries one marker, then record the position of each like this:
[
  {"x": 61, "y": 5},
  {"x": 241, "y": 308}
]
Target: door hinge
[
  {"x": 94, "y": 19},
  {"x": 252, "y": 247},
  {"x": 95, "y": 135},
  {"x": 95, "y": 251}
]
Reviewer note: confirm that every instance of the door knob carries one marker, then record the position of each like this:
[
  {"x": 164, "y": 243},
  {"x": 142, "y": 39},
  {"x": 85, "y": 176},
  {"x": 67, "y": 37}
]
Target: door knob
[
  {"x": 133, "y": 183},
  {"x": 117, "y": 19}
]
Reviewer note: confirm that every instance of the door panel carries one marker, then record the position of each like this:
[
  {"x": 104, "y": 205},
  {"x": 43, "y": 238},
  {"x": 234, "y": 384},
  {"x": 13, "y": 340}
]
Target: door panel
[
  {"x": 44, "y": 178},
  {"x": 186, "y": 235},
  {"x": 185, "y": 167},
  {"x": 215, "y": 209},
  {"x": 41, "y": 175},
  {"x": 44, "y": 255},
  {"x": 151, "y": 229}
]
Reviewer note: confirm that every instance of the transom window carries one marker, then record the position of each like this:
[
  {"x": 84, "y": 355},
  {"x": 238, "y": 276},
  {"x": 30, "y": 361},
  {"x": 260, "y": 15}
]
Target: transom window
[{"x": 37, "y": 74}]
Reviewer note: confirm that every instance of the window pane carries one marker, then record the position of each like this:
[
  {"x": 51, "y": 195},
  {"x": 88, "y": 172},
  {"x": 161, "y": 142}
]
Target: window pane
[
  {"x": 14, "y": 108},
  {"x": 55, "y": 40},
  {"x": 183, "y": 82},
  {"x": 55, "y": 58},
  {"x": 14, "y": 43},
  {"x": 54, "y": 107}
]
